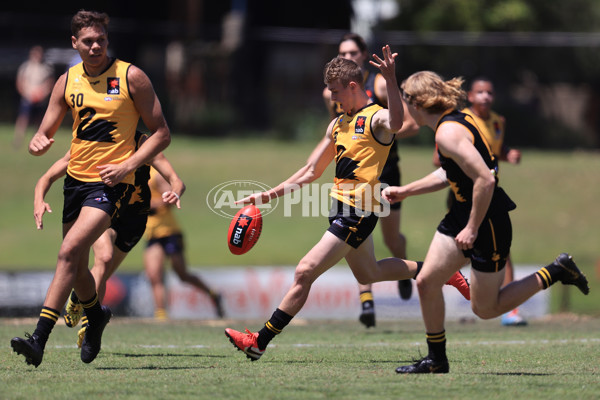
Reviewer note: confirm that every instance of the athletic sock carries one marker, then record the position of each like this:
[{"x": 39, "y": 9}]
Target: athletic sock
[
  {"x": 549, "y": 274},
  {"x": 161, "y": 314},
  {"x": 436, "y": 342},
  {"x": 84, "y": 322},
  {"x": 93, "y": 309},
  {"x": 74, "y": 297},
  {"x": 48, "y": 318},
  {"x": 274, "y": 326},
  {"x": 366, "y": 300},
  {"x": 419, "y": 268}
]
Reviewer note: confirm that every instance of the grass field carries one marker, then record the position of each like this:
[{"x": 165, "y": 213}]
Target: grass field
[
  {"x": 555, "y": 358},
  {"x": 556, "y": 192}
]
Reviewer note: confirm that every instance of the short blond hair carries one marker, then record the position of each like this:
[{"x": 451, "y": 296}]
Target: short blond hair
[{"x": 430, "y": 91}]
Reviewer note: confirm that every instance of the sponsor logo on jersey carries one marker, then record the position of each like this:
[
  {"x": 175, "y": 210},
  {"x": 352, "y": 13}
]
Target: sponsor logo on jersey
[
  {"x": 359, "y": 128},
  {"x": 112, "y": 86}
]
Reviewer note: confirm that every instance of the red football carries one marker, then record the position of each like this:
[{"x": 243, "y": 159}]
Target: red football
[{"x": 244, "y": 229}]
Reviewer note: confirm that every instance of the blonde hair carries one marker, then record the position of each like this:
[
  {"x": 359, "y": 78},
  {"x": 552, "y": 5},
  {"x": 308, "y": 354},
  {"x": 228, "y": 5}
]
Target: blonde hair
[
  {"x": 428, "y": 90},
  {"x": 345, "y": 70}
]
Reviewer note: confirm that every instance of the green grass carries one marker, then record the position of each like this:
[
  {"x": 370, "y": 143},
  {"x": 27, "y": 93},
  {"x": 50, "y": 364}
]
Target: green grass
[
  {"x": 550, "y": 359},
  {"x": 556, "y": 192}
]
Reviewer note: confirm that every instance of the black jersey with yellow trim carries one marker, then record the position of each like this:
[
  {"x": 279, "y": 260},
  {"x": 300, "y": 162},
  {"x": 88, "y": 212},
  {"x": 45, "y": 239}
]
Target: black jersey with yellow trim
[{"x": 460, "y": 183}]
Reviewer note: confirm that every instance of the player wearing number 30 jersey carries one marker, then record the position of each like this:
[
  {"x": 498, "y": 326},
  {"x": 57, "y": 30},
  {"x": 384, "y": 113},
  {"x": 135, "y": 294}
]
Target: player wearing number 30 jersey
[
  {"x": 104, "y": 117},
  {"x": 107, "y": 98}
]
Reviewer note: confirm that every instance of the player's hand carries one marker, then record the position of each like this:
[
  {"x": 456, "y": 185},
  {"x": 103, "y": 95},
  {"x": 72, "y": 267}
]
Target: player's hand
[
  {"x": 39, "y": 144},
  {"x": 466, "y": 238},
  {"x": 255, "y": 198},
  {"x": 387, "y": 65},
  {"x": 112, "y": 174},
  {"x": 171, "y": 197},
  {"x": 38, "y": 212},
  {"x": 393, "y": 194}
]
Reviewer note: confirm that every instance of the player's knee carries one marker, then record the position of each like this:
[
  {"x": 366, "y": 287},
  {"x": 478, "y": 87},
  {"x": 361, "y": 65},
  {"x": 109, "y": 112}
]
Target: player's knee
[
  {"x": 483, "y": 312},
  {"x": 364, "y": 279},
  {"x": 102, "y": 260},
  {"x": 425, "y": 286},
  {"x": 305, "y": 273}
]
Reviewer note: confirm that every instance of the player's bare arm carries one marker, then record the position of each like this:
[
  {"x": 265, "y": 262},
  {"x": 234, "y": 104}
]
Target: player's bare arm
[
  {"x": 174, "y": 189},
  {"x": 316, "y": 164},
  {"x": 148, "y": 105},
  {"x": 430, "y": 183},
  {"x": 55, "y": 113},
  {"x": 57, "y": 170},
  {"x": 454, "y": 141}
]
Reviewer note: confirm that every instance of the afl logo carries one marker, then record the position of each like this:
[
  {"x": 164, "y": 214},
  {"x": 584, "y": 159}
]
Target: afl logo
[{"x": 221, "y": 198}]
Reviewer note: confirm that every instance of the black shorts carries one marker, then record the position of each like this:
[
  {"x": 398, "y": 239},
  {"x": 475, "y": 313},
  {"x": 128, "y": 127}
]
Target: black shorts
[
  {"x": 349, "y": 224},
  {"x": 80, "y": 194},
  {"x": 130, "y": 227},
  {"x": 171, "y": 244},
  {"x": 492, "y": 246},
  {"x": 391, "y": 174}
]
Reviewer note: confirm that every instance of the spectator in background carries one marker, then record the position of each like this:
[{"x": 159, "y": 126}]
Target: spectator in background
[
  {"x": 165, "y": 240},
  {"x": 34, "y": 84}
]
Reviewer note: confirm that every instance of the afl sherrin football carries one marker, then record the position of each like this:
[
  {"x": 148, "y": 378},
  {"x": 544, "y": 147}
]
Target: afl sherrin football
[{"x": 244, "y": 229}]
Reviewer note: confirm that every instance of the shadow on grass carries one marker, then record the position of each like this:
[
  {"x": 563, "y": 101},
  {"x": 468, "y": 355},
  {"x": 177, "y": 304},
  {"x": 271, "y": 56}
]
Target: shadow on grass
[
  {"x": 149, "y": 367},
  {"x": 512, "y": 374},
  {"x": 164, "y": 355}
]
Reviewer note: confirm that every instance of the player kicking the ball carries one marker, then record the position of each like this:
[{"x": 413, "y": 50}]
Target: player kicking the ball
[{"x": 359, "y": 141}]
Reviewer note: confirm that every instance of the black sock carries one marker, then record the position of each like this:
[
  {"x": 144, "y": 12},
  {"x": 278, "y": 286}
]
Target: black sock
[
  {"x": 419, "y": 268},
  {"x": 274, "y": 326},
  {"x": 436, "y": 342},
  {"x": 549, "y": 274},
  {"x": 48, "y": 318},
  {"x": 366, "y": 300},
  {"x": 74, "y": 297},
  {"x": 93, "y": 309}
]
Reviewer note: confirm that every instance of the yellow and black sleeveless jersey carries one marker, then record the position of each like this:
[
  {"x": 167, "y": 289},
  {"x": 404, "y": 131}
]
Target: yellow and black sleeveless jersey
[
  {"x": 104, "y": 120},
  {"x": 161, "y": 223},
  {"x": 360, "y": 158},
  {"x": 369, "y": 82},
  {"x": 460, "y": 183},
  {"x": 492, "y": 129}
]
